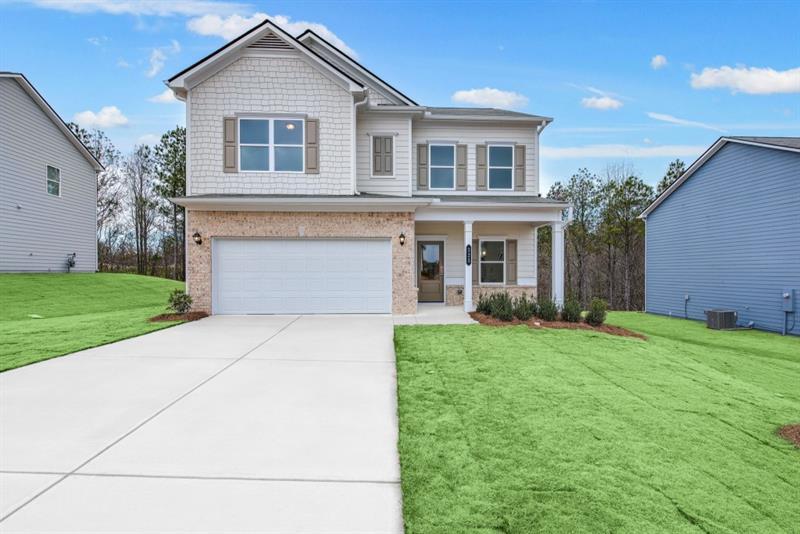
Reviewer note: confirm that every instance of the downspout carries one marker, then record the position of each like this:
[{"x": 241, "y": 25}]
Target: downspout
[{"x": 354, "y": 164}]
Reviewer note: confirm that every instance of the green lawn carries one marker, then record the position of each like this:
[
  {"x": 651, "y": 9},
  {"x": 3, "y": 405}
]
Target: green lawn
[
  {"x": 75, "y": 311},
  {"x": 521, "y": 430}
]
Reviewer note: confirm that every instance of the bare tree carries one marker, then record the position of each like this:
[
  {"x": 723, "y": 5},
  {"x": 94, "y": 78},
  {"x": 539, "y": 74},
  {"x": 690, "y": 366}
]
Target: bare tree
[{"x": 139, "y": 182}]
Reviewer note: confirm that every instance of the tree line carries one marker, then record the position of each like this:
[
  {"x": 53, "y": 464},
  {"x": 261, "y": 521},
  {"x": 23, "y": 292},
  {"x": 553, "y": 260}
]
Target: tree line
[
  {"x": 604, "y": 241},
  {"x": 138, "y": 229}
]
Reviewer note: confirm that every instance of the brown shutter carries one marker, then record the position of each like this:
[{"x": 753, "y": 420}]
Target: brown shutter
[
  {"x": 476, "y": 259},
  {"x": 312, "y": 146},
  {"x": 388, "y": 155},
  {"x": 511, "y": 262},
  {"x": 519, "y": 168},
  {"x": 229, "y": 145},
  {"x": 422, "y": 166},
  {"x": 480, "y": 167},
  {"x": 382, "y": 156},
  {"x": 461, "y": 167}
]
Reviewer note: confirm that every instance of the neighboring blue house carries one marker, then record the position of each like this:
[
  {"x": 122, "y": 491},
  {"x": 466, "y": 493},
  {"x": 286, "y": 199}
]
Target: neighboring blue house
[{"x": 726, "y": 235}]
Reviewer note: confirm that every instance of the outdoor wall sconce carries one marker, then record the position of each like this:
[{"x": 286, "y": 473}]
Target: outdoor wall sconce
[
  {"x": 197, "y": 239},
  {"x": 402, "y": 239}
]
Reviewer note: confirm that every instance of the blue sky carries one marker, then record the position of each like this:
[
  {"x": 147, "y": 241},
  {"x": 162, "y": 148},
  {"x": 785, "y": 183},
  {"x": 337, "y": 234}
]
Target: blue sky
[{"x": 634, "y": 82}]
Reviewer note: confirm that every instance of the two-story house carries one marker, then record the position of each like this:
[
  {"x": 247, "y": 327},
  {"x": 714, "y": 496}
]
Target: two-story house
[{"x": 314, "y": 186}]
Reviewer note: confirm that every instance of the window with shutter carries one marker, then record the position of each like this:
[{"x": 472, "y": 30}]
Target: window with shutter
[{"x": 383, "y": 156}]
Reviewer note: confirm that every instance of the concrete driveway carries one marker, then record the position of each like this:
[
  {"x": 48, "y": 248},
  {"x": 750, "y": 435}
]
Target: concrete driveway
[{"x": 228, "y": 424}]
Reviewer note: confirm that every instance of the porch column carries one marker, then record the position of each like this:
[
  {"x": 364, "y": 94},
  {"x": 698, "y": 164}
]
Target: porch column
[
  {"x": 557, "y": 263},
  {"x": 468, "y": 307}
]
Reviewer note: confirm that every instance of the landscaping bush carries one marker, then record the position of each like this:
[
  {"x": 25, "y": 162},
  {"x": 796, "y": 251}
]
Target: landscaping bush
[
  {"x": 524, "y": 308},
  {"x": 502, "y": 308},
  {"x": 547, "y": 310},
  {"x": 484, "y": 305},
  {"x": 179, "y": 301},
  {"x": 597, "y": 312},
  {"x": 571, "y": 312}
]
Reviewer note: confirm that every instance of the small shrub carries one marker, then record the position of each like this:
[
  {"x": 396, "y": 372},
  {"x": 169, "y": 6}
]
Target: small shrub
[
  {"x": 502, "y": 308},
  {"x": 484, "y": 305},
  {"x": 597, "y": 312},
  {"x": 571, "y": 312},
  {"x": 547, "y": 310},
  {"x": 524, "y": 308},
  {"x": 179, "y": 301}
]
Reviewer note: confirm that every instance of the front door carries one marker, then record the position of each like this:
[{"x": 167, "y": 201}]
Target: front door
[{"x": 430, "y": 271}]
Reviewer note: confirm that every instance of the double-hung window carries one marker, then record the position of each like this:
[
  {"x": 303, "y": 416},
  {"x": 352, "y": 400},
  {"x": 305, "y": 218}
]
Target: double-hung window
[
  {"x": 493, "y": 262},
  {"x": 442, "y": 167},
  {"x": 54, "y": 181},
  {"x": 271, "y": 145},
  {"x": 501, "y": 167}
]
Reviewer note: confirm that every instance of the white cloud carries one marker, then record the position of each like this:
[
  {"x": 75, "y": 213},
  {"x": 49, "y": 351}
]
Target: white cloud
[
  {"x": 490, "y": 97},
  {"x": 663, "y": 117},
  {"x": 161, "y": 8},
  {"x": 658, "y": 62},
  {"x": 158, "y": 57},
  {"x": 107, "y": 117},
  {"x": 751, "y": 80},
  {"x": 622, "y": 151},
  {"x": 601, "y": 102},
  {"x": 234, "y": 25},
  {"x": 165, "y": 97}
]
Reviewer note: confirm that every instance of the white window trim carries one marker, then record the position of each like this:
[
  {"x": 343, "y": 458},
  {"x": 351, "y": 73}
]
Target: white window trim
[
  {"x": 47, "y": 180},
  {"x": 271, "y": 145},
  {"x": 372, "y": 156},
  {"x": 481, "y": 262},
  {"x": 431, "y": 167},
  {"x": 489, "y": 166}
]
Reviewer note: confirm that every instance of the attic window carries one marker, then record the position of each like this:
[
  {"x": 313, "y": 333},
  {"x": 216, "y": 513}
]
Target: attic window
[{"x": 270, "y": 41}]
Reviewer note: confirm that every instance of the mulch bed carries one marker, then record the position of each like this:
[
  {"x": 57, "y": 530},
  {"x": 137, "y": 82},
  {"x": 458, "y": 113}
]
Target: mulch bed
[
  {"x": 191, "y": 316},
  {"x": 538, "y": 323},
  {"x": 792, "y": 433}
]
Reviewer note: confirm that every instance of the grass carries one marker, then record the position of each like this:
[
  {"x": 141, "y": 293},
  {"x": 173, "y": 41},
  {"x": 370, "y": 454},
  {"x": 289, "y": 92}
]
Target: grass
[
  {"x": 519, "y": 430},
  {"x": 48, "y": 315}
]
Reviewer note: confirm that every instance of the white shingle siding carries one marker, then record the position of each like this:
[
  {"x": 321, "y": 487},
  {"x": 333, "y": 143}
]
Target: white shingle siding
[
  {"x": 270, "y": 85},
  {"x": 473, "y": 134},
  {"x": 38, "y": 230},
  {"x": 374, "y": 124}
]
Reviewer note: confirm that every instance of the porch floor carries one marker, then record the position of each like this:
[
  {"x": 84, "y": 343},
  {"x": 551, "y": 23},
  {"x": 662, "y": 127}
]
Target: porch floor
[{"x": 435, "y": 313}]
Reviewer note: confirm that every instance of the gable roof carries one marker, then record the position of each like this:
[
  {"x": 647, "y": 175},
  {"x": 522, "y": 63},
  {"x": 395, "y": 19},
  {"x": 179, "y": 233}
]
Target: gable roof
[
  {"x": 791, "y": 144},
  {"x": 311, "y": 35},
  {"x": 48, "y": 110},
  {"x": 177, "y": 82},
  {"x": 483, "y": 114}
]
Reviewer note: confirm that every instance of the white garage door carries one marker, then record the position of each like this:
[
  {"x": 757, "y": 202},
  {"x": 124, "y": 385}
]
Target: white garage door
[{"x": 301, "y": 276}]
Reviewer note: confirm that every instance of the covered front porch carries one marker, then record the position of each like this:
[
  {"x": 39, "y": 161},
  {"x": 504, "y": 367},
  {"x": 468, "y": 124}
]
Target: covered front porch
[{"x": 465, "y": 248}]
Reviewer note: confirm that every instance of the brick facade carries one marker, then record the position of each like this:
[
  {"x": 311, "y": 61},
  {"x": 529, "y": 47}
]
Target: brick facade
[
  {"x": 211, "y": 224},
  {"x": 453, "y": 298},
  {"x": 270, "y": 85}
]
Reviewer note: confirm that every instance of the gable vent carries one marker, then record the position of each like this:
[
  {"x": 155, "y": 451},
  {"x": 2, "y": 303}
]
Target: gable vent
[{"x": 271, "y": 42}]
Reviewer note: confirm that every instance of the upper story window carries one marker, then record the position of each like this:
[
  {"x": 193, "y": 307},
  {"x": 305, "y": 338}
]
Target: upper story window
[
  {"x": 54, "y": 181},
  {"x": 501, "y": 167},
  {"x": 271, "y": 145},
  {"x": 383, "y": 156},
  {"x": 492, "y": 262},
  {"x": 442, "y": 171}
]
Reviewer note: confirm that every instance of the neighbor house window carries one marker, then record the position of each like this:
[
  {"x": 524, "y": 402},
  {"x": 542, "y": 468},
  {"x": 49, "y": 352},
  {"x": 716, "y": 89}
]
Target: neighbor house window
[
  {"x": 271, "y": 145},
  {"x": 501, "y": 167},
  {"x": 54, "y": 181},
  {"x": 442, "y": 166},
  {"x": 492, "y": 262}
]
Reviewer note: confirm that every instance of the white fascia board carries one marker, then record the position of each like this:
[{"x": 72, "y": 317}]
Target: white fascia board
[
  {"x": 483, "y": 118},
  {"x": 54, "y": 117},
  {"x": 306, "y": 204}
]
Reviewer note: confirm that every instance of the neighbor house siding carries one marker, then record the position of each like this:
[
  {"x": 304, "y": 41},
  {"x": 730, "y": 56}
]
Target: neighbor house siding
[
  {"x": 370, "y": 124},
  {"x": 728, "y": 237},
  {"x": 473, "y": 134},
  {"x": 270, "y": 85},
  {"x": 39, "y": 230}
]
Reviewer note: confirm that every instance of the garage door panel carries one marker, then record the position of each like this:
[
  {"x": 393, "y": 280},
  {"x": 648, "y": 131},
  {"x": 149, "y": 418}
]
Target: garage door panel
[{"x": 301, "y": 276}]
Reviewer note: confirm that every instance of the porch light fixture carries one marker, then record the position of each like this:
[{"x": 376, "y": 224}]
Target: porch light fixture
[
  {"x": 402, "y": 239},
  {"x": 197, "y": 239}
]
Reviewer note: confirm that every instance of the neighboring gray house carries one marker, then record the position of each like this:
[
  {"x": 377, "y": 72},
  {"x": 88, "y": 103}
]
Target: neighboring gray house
[
  {"x": 726, "y": 235},
  {"x": 48, "y": 186}
]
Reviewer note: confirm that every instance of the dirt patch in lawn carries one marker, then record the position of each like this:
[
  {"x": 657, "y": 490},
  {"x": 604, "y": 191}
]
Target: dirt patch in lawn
[
  {"x": 791, "y": 432},
  {"x": 538, "y": 323},
  {"x": 165, "y": 317}
]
